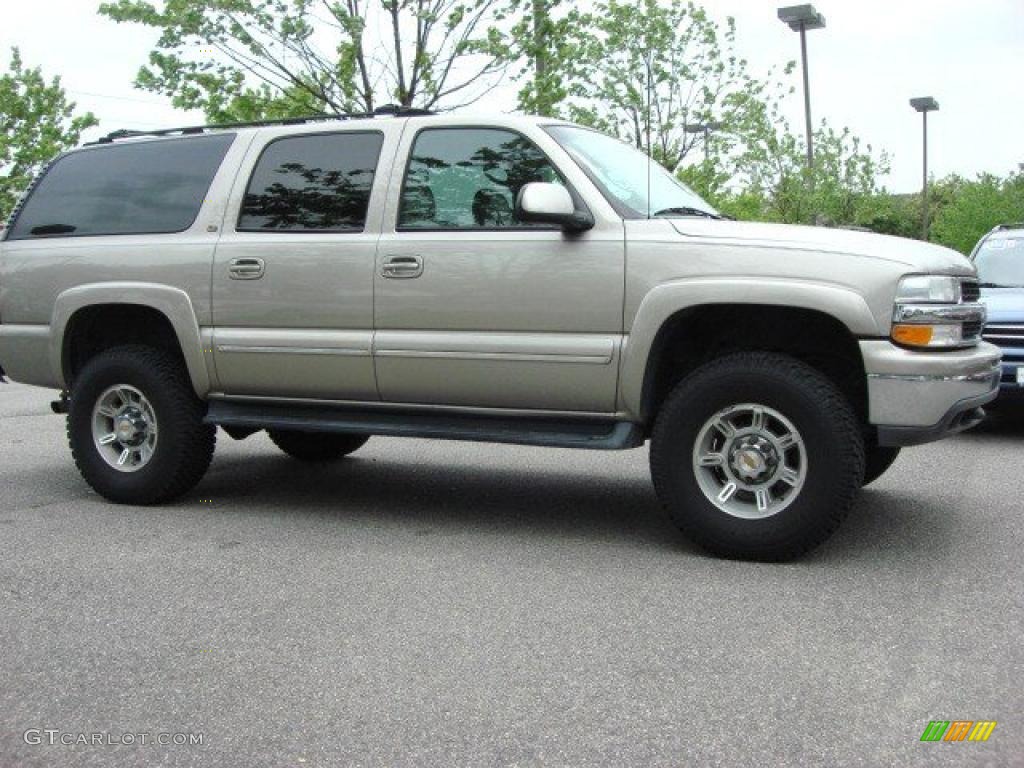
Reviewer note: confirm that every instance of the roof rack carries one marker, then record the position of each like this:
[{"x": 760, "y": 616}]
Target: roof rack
[{"x": 392, "y": 110}]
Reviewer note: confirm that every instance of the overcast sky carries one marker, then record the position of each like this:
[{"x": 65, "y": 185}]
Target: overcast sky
[{"x": 872, "y": 57}]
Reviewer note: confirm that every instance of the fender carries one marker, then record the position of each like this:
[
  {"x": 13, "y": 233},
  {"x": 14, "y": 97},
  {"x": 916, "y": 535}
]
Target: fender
[
  {"x": 664, "y": 301},
  {"x": 172, "y": 303}
]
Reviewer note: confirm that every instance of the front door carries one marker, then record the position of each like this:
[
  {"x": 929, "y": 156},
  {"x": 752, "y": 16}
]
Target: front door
[
  {"x": 474, "y": 308},
  {"x": 293, "y": 273}
]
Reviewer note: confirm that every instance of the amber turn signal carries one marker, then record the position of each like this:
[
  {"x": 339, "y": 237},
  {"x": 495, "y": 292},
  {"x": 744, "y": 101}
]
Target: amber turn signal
[{"x": 912, "y": 335}]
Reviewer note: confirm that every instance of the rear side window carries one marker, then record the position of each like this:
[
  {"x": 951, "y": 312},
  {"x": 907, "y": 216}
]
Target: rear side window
[
  {"x": 150, "y": 187},
  {"x": 317, "y": 183}
]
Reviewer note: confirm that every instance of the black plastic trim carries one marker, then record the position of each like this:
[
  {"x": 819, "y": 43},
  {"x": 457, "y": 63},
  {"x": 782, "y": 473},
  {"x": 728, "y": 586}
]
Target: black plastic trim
[
  {"x": 964, "y": 415},
  {"x": 555, "y": 432}
]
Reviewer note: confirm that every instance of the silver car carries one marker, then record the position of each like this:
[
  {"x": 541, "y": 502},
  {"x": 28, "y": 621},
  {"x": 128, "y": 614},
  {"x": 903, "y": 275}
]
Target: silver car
[{"x": 508, "y": 279}]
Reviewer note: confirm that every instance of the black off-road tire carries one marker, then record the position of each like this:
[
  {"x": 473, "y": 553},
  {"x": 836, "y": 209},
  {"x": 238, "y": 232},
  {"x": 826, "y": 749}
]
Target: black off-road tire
[
  {"x": 184, "y": 445},
  {"x": 316, "y": 446},
  {"x": 877, "y": 460},
  {"x": 832, "y": 438}
]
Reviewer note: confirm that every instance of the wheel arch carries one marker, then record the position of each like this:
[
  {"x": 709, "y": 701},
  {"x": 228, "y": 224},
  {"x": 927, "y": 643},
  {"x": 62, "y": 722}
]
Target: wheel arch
[
  {"x": 703, "y": 313},
  {"x": 168, "y": 309}
]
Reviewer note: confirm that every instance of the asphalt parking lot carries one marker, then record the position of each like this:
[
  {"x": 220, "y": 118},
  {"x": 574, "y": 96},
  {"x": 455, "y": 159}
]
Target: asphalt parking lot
[{"x": 431, "y": 603}]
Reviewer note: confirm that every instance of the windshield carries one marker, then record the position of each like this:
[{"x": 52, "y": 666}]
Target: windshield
[
  {"x": 621, "y": 171},
  {"x": 1000, "y": 262}
]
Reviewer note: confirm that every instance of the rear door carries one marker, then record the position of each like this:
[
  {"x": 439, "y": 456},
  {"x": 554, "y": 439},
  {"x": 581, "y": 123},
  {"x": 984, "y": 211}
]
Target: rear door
[{"x": 293, "y": 272}]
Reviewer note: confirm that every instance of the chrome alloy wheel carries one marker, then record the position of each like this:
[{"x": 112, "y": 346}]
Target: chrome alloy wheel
[
  {"x": 124, "y": 428},
  {"x": 750, "y": 461}
]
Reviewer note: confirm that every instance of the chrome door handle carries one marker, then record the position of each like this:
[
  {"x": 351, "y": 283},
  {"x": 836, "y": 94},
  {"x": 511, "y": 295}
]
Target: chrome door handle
[
  {"x": 246, "y": 269},
  {"x": 402, "y": 267}
]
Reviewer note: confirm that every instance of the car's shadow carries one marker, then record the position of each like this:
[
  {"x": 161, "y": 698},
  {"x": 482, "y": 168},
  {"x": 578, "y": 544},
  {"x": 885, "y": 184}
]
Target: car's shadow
[
  {"x": 451, "y": 498},
  {"x": 444, "y": 497}
]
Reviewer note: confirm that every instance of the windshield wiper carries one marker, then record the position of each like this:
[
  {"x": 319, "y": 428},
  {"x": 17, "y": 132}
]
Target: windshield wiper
[
  {"x": 684, "y": 210},
  {"x": 998, "y": 285}
]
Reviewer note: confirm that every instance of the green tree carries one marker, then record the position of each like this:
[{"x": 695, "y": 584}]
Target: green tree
[
  {"x": 758, "y": 168},
  {"x": 546, "y": 40},
  {"x": 650, "y": 69},
  {"x": 242, "y": 59},
  {"x": 37, "y": 122},
  {"x": 966, "y": 209},
  {"x": 891, "y": 214}
]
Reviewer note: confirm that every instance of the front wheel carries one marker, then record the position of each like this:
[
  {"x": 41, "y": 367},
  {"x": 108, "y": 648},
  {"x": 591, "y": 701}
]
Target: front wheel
[
  {"x": 136, "y": 428},
  {"x": 757, "y": 455}
]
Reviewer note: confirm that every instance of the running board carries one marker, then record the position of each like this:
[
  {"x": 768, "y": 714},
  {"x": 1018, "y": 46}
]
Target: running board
[{"x": 558, "y": 432}]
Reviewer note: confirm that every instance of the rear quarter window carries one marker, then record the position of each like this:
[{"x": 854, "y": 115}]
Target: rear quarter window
[{"x": 151, "y": 187}]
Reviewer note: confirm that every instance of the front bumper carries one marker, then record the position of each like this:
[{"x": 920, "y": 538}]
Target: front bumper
[
  {"x": 1013, "y": 358},
  {"x": 916, "y": 397}
]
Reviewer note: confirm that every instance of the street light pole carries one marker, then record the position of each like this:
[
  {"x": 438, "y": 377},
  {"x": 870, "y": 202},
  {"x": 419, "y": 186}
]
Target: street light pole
[
  {"x": 801, "y": 18},
  {"x": 807, "y": 96},
  {"x": 706, "y": 129},
  {"x": 924, "y": 105}
]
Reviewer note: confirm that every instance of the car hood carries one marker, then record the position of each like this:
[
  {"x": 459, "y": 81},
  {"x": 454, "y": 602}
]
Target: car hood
[
  {"x": 1005, "y": 305},
  {"x": 920, "y": 256}
]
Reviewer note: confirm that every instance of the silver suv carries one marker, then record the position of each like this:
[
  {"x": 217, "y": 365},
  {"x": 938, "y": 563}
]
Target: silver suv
[{"x": 517, "y": 280}]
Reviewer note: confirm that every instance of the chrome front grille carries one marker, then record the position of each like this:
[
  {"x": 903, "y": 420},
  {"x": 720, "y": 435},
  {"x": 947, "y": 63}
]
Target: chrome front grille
[
  {"x": 972, "y": 330},
  {"x": 1004, "y": 334},
  {"x": 970, "y": 292}
]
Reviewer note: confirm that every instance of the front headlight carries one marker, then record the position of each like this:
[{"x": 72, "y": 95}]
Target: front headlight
[
  {"x": 929, "y": 313},
  {"x": 931, "y": 289}
]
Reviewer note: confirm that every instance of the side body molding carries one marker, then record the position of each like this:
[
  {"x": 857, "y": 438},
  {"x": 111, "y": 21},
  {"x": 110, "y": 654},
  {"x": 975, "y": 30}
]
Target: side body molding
[
  {"x": 172, "y": 303},
  {"x": 666, "y": 300}
]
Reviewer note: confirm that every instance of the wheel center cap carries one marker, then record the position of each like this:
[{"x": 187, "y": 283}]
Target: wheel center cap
[
  {"x": 130, "y": 428},
  {"x": 754, "y": 459},
  {"x": 750, "y": 460}
]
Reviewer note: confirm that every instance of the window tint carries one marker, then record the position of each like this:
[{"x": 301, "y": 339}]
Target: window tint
[
  {"x": 131, "y": 188},
  {"x": 312, "y": 183},
  {"x": 468, "y": 178}
]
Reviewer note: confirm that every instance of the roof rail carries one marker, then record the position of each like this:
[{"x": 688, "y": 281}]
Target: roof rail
[
  {"x": 1000, "y": 227},
  {"x": 392, "y": 110}
]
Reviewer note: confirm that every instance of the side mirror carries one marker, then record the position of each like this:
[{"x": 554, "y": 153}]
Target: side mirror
[{"x": 541, "y": 203}]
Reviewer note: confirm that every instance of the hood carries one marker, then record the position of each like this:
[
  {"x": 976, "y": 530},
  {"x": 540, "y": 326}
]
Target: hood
[
  {"x": 1005, "y": 305},
  {"x": 918, "y": 255}
]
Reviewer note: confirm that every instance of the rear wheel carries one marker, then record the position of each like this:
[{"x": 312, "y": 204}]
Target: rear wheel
[
  {"x": 316, "y": 446},
  {"x": 136, "y": 428},
  {"x": 878, "y": 459},
  {"x": 757, "y": 455}
]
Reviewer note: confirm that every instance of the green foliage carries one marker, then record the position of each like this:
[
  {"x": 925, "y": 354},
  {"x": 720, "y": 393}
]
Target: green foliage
[
  {"x": 37, "y": 122},
  {"x": 649, "y": 69},
  {"x": 890, "y": 214},
  {"x": 246, "y": 59},
  {"x": 763, "y": 162},
  {"x": 966, "y": 210},
  {"x": 546, "y": 41}
]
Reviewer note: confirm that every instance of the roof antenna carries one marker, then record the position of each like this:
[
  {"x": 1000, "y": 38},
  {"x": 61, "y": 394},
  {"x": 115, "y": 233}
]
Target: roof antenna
[{"x": 647, "y": 61}]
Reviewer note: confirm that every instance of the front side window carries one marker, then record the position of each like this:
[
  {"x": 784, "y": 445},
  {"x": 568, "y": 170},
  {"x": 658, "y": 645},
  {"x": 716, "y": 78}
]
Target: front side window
[
  {"x": 637, "y": 186},
  {"x": 129, "y": 188},
  {"x": 469, "y": 178},
  {"x": 316, "y": 183}
]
